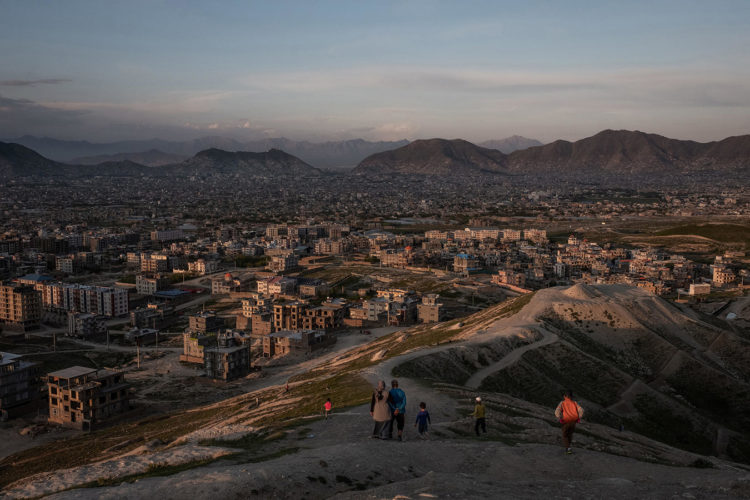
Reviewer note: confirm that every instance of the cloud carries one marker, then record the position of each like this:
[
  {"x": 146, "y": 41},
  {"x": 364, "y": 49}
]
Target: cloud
[{"x": 32, "y": 83}]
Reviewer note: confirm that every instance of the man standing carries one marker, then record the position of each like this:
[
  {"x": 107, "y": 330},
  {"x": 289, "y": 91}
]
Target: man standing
[
  {"x": 397, "y": 404},
  {"x": 479, "y": 414},
  {"x": 569, "y": 413}
]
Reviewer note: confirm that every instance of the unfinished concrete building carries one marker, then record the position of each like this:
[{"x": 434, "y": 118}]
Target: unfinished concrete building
[
  {"x": 84, "y": 398},
  {"x": 228, "y": 359},
  {"x": 19, "y": 385}
]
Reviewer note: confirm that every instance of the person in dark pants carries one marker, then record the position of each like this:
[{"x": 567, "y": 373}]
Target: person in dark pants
[
  {"x": 423, "y": 420},
  {"x": 569, "y": 413},
  {"x": 480, "y": 416},
  {"x": 397, "y": 404}
]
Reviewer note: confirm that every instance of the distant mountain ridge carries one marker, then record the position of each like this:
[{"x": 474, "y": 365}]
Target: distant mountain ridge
[
  {"x": 608, "y": 153},
  {"x": 332, "y": 154},
  {"x": 510, "y": 144},
  {"x": 19, "y": 161},
  {"x": 440, "y": 157},
  {"x": 150, "y": 158}
]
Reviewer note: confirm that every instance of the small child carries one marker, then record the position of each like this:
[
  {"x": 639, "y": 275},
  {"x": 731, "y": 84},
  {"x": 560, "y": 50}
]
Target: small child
[
  {"x": 423, "y": 418},
  {"x": 327, "y": 406}
]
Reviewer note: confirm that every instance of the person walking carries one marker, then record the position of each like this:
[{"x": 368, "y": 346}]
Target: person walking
[
  {"x": 397, "y": 404},
  {"x": 327, "y": 406},
  {"x": 423, "y": 419},
  {"x": 479, "y": 414},
  {"x": 380, "y": 411},
  {"x": 569, "y": 413}
]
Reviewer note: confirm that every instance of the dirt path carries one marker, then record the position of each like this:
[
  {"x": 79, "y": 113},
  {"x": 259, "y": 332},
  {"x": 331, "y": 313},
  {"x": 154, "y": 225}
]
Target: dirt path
[{"x": 511, "y": 358}]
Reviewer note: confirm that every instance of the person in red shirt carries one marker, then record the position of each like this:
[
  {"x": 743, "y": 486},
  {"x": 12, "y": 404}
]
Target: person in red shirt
[
  {"x": 327, "y": 407},
  {"x": 569, "y": 413}
]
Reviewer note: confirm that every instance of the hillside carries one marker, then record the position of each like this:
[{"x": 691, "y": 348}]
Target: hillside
[
  {"x": 679, "y": 385},
  {"x": 435, "y": 157},
  {"x": 269, "y": 163},
  {"x": 623, "y": 152},
  {"x": 17, "y": 160}
]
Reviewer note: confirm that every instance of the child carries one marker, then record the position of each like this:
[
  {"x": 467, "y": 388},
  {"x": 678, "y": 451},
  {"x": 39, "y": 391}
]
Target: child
[
  {"x": 423, "y": 418},
  {"x": 327, "y": 406}
]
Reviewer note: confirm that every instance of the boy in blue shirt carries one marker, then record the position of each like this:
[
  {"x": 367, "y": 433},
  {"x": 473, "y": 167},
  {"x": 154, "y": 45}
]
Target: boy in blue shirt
[{"x": 423, "y": 418}]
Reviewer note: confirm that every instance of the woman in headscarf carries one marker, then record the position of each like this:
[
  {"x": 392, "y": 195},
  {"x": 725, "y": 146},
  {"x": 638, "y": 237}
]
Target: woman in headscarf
[{"x": 380, "y": 411}]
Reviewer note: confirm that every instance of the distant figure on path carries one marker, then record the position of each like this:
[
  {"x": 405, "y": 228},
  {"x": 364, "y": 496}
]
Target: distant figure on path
[
  {"x": 423, "y": 419},
  {"x": 327, "y": 407},
  {"x": 380, "y": 411},
  {"x": 569, "y": 413},
  {"x": 397, "y": 404},
  {"x": 480, "y": 415}
]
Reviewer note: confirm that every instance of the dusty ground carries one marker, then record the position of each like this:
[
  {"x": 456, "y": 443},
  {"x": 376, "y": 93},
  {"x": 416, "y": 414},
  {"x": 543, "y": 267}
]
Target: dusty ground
[{"x": 520, "y": 457}]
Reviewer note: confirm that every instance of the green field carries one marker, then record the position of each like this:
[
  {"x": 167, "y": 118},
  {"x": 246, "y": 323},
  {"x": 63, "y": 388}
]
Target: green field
[{"x": 725, "y": 233}]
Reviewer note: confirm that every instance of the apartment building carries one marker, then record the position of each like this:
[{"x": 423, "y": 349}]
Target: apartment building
[
  {"x": 149, "y": 286},
  {"x": 20, "y": 307}
]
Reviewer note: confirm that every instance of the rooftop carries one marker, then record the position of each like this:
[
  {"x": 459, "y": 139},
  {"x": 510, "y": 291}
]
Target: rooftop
[{"x": 72, "y": 372}]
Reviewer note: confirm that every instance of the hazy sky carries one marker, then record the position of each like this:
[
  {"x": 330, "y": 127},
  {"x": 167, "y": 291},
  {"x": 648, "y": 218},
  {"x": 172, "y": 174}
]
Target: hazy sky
[{"x": 108, "y": 70}]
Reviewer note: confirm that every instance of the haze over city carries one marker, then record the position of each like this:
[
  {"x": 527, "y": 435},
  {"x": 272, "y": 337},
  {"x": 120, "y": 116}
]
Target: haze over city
[{"x": 380, "y": 71}]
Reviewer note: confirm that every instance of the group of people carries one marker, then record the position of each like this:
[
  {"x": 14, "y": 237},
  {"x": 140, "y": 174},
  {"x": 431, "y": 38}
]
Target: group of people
[{"x": 388, "y": 409}]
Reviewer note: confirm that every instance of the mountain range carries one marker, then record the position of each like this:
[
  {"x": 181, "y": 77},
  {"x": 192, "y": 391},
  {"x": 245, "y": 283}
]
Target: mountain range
[
  {"x": 155, "y": 152},
  {"x": 610, "y": 152},
  {"x": 20, "y": 161}
]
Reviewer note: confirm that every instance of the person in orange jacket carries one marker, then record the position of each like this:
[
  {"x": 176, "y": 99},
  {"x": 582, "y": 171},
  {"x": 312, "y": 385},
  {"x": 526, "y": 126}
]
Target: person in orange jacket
[
  {"x": 328, "y": 406},
  {"x": 569, "y": 413}
]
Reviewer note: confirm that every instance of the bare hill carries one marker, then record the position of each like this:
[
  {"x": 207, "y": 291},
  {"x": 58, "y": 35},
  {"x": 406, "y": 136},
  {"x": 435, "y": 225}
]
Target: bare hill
[
  {"x": 677, "y": 383},
  {"x": 435, "y": 157}
]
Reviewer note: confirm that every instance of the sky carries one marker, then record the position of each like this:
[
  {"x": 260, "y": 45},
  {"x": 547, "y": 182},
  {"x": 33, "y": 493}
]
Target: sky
[{"x": 380, "y": 70}]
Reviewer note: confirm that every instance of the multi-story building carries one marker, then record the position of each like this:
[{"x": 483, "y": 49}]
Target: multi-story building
[
  {"x": 19, "y": 385},
  {"x": 84, "y": 398},
  {"x": 149, "y": 286},
  {"x": 278, "y": 285},
  {"x": 205, "y": 322},
  {"x": 288, "y": 316},
  {"x": 193, "y": 346},
  {"x": 283, "y": 263},
  {"x": 85, "y": 325},
  {"x": 104, "y": 301},
  {"x": 167, "y": 235},
  {"x": 305, "y": 341},
  {"x": 228, "y": 359},
  {"x": 429, "y": 310},
  {"x": 20, "y": 307},
  {"x": 66, "y": 265},
  {"x": 156, "y": 316},
  {"x": 155, "y": 263},
  {"x": 203, "y": 266},
  {"x": 464, "y": 263}
]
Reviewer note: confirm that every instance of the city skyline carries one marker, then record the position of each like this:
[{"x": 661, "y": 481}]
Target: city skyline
[{"x": 331, "y": 71}]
